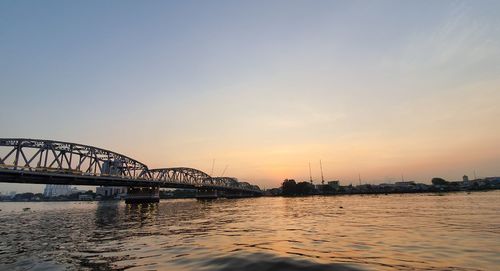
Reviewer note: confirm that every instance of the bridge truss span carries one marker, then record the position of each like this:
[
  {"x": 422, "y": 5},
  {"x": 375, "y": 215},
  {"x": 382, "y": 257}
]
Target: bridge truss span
[
  {"x": 56, "y": 162},
  {"x": 37, "y": 155},
  {"x": 183, "y": 175},
  {"x": 198, "y": 178}
]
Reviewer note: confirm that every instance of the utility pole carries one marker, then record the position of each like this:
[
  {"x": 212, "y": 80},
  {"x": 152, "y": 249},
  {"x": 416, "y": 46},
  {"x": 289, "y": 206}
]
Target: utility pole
[{"x": 322, "y": 179}]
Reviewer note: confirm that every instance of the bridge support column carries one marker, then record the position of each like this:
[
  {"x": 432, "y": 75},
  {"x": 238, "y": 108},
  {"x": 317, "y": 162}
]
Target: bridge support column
[
  {"x": 203, "y": 194},
  {"x": 142, "y": 195}
]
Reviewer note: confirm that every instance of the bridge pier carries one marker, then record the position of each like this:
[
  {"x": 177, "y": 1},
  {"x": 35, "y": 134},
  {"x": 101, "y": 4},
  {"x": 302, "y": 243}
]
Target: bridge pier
[{"x": 142, "y": 195}]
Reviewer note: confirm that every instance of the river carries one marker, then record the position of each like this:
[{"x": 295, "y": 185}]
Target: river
[{"x": 455, "y": 231}]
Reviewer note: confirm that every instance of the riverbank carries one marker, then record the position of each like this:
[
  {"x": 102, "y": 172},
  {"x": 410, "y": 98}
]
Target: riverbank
[
  {"x": 290, "y": 188},
  {"x": 440, "y": 193}
]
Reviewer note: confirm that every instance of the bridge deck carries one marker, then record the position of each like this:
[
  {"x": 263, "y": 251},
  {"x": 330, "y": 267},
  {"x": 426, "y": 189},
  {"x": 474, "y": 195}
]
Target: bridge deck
[{"x": 33, "y": 177}]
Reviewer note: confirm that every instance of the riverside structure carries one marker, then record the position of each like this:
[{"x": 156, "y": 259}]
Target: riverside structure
[{"x": 55, "y": 162}]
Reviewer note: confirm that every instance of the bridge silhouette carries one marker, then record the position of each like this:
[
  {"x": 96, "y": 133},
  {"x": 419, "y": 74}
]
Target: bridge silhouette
[{"x": 55, "y": 162}]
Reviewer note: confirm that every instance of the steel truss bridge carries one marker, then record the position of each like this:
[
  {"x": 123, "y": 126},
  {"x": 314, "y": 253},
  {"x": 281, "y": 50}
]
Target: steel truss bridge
[{"x": 55, "y": 162}]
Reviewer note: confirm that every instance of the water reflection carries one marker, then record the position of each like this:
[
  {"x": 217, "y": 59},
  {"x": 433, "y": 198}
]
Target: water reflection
[
  {"x": 107, "y": 213},
  {"x": 142, "y": 213},
  {"x": 266, "y": 261},
  {"x": 408, "y": 232}
]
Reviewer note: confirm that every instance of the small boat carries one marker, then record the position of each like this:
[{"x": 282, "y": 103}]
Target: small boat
[{"x": 26, "y": 209}]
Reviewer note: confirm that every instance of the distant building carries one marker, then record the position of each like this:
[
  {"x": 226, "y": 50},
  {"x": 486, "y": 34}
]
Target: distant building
[
  {"x": 465, "y": 178},
  {"x": 405, "y": 184},
  {"x": 333, "y": 184},
  {"x": 55, "y": 190},
  {"x": 494, "y": 181},
  {"x": 363, "y": 188},
  {"x": 112, "y": 167},
  {"x": 319, "y": 186},
  {"x": 110, "y": 191}
]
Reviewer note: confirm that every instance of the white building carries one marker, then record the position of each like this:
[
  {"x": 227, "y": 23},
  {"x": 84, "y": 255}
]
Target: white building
[
  {"x": 55, "y": 190},
  {"x": 108, "y": 191}
]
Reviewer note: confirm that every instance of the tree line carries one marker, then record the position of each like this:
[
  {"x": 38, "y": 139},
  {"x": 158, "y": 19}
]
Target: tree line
[{"x": 291, "y": 188}]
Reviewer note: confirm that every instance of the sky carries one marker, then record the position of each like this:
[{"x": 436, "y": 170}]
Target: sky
[{"x": 378, "y": 89}]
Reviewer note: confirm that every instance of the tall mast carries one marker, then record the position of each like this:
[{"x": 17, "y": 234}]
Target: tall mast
[
  {"x": 310, "y": 175},
  {"x": 224, "y": 171},
  {"x": 213, "y": 164},
  {"x": 321, "y": 167}
]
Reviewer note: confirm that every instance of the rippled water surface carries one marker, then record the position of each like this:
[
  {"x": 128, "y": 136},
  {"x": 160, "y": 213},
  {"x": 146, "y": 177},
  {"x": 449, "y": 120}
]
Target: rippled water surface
[{"x": 405, "y": 232}]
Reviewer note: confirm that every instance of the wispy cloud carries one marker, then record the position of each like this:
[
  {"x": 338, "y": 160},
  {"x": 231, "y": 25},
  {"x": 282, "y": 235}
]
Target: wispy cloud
[{"x": 460, "y": 39}]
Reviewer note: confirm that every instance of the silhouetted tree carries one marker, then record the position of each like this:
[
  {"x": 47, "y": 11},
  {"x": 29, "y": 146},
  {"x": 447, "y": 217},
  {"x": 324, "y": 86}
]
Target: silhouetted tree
[
  {"x": 304, "y": 188},
  {"x": 289, "y": 187},
  {"x": 439, "y": 181},
  {"x": 24, "y": 196}
]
